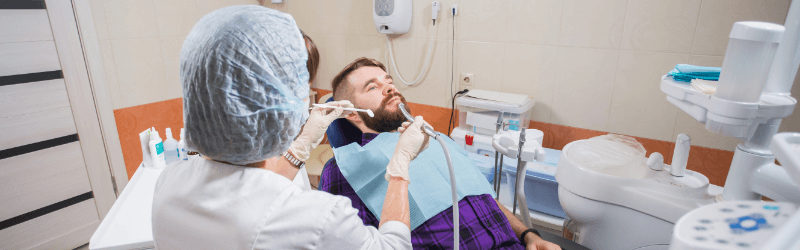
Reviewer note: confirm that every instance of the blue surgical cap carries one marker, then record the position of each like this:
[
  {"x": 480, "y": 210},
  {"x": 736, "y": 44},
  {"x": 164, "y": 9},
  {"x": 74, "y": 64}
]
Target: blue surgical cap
[{"x": 244, "y": 76}]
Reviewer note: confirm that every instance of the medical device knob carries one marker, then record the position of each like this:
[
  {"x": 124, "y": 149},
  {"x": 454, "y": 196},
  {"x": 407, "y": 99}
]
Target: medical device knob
[
  {"x": 681, "y": 155},
  {"x": 656, "y": 161}
]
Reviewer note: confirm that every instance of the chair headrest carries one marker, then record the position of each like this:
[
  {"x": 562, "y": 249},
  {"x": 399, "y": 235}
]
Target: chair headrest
[{"x": 341, "y": 132}]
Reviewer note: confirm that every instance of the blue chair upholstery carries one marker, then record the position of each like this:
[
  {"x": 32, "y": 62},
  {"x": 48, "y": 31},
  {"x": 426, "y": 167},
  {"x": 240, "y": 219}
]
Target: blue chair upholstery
[{"x": 341, "y": 132}]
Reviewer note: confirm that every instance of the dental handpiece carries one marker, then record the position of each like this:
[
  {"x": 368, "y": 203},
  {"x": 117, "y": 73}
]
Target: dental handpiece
[{"x": 428, "y": 130}]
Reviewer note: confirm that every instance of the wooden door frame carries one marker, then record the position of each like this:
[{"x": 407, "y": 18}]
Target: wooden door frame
[{"x": 81, "y": 63}]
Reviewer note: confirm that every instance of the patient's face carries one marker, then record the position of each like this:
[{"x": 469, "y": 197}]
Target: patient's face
[{"x": 374, "y": 89}]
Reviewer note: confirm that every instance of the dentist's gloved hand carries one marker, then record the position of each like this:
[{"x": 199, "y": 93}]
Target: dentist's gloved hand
[
  {"x": 412, "y": 142},
  {"x": 318, "y": 121}
]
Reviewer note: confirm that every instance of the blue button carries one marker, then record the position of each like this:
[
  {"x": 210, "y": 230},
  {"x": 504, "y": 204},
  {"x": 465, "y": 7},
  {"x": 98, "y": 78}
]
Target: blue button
[
  {"x": 753, "y": 222},
  {"x": 768, "y": 207}
]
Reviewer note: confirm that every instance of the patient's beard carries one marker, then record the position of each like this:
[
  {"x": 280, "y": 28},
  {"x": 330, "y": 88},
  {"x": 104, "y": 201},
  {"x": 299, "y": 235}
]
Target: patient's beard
[{"x": 385, "y": 120}]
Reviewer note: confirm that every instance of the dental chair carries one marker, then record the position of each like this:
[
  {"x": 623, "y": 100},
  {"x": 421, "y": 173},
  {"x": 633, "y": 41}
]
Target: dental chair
[{"x": 341, "y": 132}]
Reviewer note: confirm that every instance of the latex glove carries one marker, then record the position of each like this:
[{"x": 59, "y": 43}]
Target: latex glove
[
  {"x": 537, "y": 243},
  {"x": 412, "y": 142},
  {"x": 314, "y": 130}
]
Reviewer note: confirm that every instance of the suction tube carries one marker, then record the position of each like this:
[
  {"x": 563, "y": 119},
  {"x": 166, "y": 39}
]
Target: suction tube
[{"x": 431, "y": 133}]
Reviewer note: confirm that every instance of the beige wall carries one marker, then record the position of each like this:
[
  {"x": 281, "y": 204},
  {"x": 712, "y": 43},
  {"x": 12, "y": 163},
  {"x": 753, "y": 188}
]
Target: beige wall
[{"x": 591, "y": 64}]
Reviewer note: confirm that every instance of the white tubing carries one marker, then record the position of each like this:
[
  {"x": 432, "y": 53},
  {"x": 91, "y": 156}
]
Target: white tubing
[
  {"x": 428, "y": 57},
  {"x": 453, "y": 189},
  {"x": 520, "y": 192}
]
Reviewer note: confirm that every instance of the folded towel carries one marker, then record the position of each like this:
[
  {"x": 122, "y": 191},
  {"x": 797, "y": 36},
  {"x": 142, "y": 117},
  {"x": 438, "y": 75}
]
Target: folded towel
[
  {"x": 686, "y": 72},
  {"x": 704, "y": 86}
]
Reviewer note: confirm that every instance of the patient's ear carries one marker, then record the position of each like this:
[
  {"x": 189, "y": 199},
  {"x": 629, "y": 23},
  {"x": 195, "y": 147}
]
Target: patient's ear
[{"x": 353, "y": 118}]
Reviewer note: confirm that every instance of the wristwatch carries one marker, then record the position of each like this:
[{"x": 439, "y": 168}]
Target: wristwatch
[
  {"x": 294, "y": 161},
  {"x": 530, "y": 230}
]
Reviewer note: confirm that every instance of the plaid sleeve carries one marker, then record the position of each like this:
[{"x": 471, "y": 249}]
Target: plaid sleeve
[{"x": 332, "y": 181}]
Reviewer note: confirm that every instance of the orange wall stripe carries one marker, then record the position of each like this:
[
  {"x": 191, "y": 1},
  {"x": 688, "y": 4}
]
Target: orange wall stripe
[{"x": 713, "y": 163}]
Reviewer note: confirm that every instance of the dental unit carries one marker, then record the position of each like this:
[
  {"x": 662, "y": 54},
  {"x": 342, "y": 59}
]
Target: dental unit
[{"x": 616, "y": 198}]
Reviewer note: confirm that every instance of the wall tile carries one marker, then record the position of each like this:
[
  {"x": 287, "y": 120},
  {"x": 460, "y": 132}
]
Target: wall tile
[
  {"x": 111, "y": 74},
  {"x": 638, "y": 107},
  {"x": 584, "y": 87},
  {"x": 717, "y": 18},
  {"x": 320, "y": 16},
  {"x": 485, "y": 60},
  {"x": 332, "y": 57},
  {"x": 483, "y": 21},
  {"x": 534, "y": 21},
  {"x": 171, "y": 54},
  {"x": 710, "y": 61},
  {"x": 176, "y": 17},
  {"x": 434, "y": 87},
  {"x": 99, "y": 17},
  {"x": 423, "y": 27},
  {"x": 282, "y": 7},
  {"x": 207, "y": 6},
  {"x": 662, "y": 26},
  {"x": 685, "y": 124},
  {"x": 365, "y": 46},
  {"x": 140, "y": 70},
  {"x": 131, "y": 19},
  {"x": 593, "y": 23},
  {"x": 531, "y": 70},
  {"x": 358, "y": 18}
]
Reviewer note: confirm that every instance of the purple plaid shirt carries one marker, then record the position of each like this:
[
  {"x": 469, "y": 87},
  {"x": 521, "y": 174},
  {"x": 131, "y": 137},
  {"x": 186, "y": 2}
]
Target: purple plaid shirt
[{"x": 482, "y": 224}]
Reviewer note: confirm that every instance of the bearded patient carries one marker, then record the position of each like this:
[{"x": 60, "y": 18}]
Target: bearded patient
[{"x": 483, "y": 223}]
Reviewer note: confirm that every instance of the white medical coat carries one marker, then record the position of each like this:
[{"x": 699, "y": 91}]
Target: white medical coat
[{"x": 203, "y": 204}]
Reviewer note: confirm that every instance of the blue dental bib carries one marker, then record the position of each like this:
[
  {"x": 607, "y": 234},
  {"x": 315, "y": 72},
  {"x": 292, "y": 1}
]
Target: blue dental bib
[{"x": 429, "y": 190}]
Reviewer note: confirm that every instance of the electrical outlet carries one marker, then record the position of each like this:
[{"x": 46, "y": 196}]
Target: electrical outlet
[{"x": 467, "y": 80}]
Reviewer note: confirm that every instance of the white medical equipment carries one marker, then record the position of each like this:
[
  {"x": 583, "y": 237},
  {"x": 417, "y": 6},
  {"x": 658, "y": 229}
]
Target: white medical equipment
[
  {"x": 392, "y": 16},
  {"x": 369, "y": 112},
  {"x": 428, "y": 130},
  {"x": 619, "y": 201},
  {"x": 751, "y": 98},
  {"x": 747, "y": 224},
  {"x": 516, "y": 144}
]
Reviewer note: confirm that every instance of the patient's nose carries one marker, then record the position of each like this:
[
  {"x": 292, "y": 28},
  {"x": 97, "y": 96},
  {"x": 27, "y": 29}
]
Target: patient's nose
[{"x": 389, "y": 89}]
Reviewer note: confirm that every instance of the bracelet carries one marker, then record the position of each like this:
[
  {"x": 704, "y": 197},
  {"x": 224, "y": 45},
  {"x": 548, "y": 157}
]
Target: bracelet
[
  {"x": 294, "y": 161},
  {"x": 530, "y": 230}
]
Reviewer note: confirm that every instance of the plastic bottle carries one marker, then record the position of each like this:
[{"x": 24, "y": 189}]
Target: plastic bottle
[
  {"x": 182, "y": 146},
  {"x": 157, "y": 150},
  {"x": 171, "y": 148}
]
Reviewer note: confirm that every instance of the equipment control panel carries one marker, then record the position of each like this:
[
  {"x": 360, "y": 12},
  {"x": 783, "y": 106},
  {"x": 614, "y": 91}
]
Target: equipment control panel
[{"x": 730, "y": 225}]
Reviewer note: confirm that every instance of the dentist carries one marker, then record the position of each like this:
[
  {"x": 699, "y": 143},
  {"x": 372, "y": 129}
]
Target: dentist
[{"x": 245, "y": 89}]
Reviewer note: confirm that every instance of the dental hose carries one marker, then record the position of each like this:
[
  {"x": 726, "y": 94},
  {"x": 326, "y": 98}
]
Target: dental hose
[
  {"x": 452, "y": 189},
  {"x": 428, "y": 130}
]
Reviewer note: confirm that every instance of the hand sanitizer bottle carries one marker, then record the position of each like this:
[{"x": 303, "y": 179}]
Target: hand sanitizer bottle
[
  {"x": 171, "y": 147},
  {"x": 157, "y": 150},
  {"x": 182, "y": 146}
]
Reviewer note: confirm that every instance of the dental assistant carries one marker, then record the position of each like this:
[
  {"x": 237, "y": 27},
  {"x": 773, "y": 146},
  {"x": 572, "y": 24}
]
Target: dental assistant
[{"x": 245, "y": 89}]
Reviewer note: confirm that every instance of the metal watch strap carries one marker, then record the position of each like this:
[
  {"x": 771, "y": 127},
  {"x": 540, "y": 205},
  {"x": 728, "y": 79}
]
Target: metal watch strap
[{"x": 294, "y": 161}]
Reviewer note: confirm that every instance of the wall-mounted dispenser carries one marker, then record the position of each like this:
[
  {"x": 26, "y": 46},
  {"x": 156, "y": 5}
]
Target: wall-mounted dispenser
[{"x": 392, "y": 16}]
